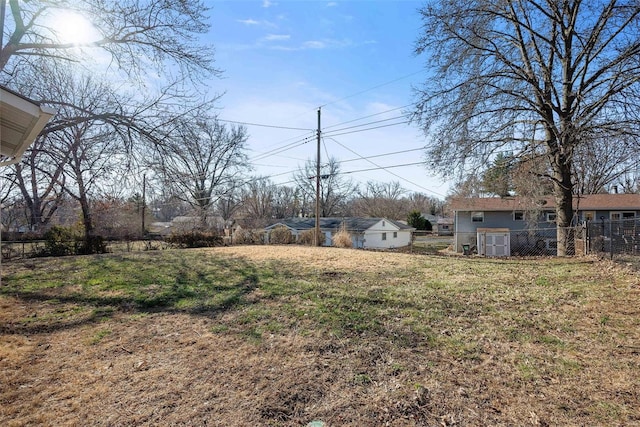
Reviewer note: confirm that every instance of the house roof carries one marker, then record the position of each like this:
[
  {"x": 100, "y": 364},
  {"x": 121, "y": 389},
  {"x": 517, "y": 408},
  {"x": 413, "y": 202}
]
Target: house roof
[
  {"x": 583, "y": 203},
  {"x": 21, "y": 120},
  {"x": 334, "y": 223}
]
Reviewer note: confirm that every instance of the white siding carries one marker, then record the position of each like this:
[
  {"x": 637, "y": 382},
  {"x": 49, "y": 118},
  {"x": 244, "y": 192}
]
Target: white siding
[{"x": 373, "y": 236}]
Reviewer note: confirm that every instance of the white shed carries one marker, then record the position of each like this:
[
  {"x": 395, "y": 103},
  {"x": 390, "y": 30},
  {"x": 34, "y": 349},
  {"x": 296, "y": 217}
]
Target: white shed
[{"x": 494, "y": 241}]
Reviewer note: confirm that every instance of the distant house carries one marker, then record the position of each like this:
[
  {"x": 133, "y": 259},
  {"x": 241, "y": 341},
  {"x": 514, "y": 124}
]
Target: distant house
[
  {"x": 372, "y": 233},
  {"x": 185, "y": 224},
  {"x": 444, "y": 226},
  {"x": 485, "y": 223}
]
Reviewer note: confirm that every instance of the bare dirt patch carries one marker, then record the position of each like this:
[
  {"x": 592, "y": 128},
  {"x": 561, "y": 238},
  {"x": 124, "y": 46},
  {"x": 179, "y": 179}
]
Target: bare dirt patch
[{"x": 281, "y": 336}]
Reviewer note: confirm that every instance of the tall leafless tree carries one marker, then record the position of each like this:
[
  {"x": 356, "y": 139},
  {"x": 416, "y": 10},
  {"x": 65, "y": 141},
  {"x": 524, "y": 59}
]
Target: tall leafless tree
[
  {"x": 202, "y": 161},
  {"x": 384, "y": 200},
  {"x": 258, "y": 196},
  {"x": 527, "y": 75},
  {"x": 88, "y": 136},
  {"x": 335, "y": 189},
  {"x": 601, "y": 166},
  {"x": 135, "y": 40},
  {"x": 136, "y": 34},
  {"x": 287, "y": 202}
]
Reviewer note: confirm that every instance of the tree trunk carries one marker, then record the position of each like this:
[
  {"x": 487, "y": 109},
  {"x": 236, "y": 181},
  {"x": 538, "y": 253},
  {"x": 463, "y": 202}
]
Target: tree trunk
[
  {"x": 563, "y": 193},
  {"x": 87, "y": 221}
]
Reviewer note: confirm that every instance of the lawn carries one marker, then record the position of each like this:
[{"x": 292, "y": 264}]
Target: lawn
[{"x": 284, "y": 335}]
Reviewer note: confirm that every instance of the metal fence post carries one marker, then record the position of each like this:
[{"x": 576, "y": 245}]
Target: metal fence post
[
  {"x": 611, "y": 239},
  {"x": 602, "y": 234}
]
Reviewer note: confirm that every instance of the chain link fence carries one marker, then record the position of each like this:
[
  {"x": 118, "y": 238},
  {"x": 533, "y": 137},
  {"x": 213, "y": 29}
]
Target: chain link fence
[
  {"x": 602, "y": 237},
  {"x": 18, "y": 249},
  {"x": 523, "y": 242},
  {"x": 613, "y": 237},
  {"x": 610, "y": 238}
]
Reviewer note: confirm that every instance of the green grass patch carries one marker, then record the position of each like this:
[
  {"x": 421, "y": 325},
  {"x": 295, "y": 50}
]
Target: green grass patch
[
  {"x": 470, "y": 331},
  {"x": 98, "y": 336}
]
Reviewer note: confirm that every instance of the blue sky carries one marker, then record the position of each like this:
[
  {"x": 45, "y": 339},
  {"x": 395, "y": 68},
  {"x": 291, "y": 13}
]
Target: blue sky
[{"x": 283, "y": 59}]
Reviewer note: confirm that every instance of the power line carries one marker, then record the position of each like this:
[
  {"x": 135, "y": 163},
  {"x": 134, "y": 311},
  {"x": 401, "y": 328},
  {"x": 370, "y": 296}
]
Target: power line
[
  {"x": 383, "y": 155},
  {"x": 372, "y": 88},
  {"x": 369, "y": 123},
  {"x": 386, "y": 168},
  {"x": 372, "y": 128},
  {"x": 263, "y": 125},
  {"x": 369, "y": 116},
  {"x": 338, "y": 132},
  {"x": 281, "y": 149}
]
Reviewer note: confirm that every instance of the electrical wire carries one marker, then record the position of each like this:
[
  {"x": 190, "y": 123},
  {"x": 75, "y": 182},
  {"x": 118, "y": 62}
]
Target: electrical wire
[
  {"x": 281, "y": 149},
  {"x": 385, "y": 168},
  {"x": 367, "y": 117},
  {"x": 364, "y": 130},
  {"x": 372, "y": 88},
  {"x": 367, "y": 124},
  {"x": 262, "y": 125},
  {"x": 382, "y": 155}
]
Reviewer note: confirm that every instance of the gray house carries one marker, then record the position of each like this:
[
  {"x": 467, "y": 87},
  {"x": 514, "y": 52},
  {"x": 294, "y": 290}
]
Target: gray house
[
  {"x": 380, "y": 233},
  {"x": 499, "y": 226}
]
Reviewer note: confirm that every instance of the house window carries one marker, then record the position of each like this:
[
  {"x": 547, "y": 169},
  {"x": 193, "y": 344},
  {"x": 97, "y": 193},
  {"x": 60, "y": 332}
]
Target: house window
[
  {"x": 551, "y": 216},
  {"x": 518, "y": 216},
  {"x": 589, "y": 215},
  {"x": 477, "y": 216},
  {"x": 383, "y": 223},
  {"x": 616, "y": 216},
  {"x": 384, "y": 236},
  {"x": 395, "y": 234}
]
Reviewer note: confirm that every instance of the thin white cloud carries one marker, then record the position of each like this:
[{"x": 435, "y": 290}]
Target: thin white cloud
[
  {"x": 332, "y": 4},
  {"x": 268, "y": 3},
  {"x": 253, "y": 22},
  {"x": 314, "y": 44},
  {"x": 248, "y": 21},
  {"x": 277, "y": 37}
]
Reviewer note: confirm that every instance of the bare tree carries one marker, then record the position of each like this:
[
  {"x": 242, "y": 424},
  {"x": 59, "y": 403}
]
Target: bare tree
[
  {"x": 135, "y": 33},
  {"x": 258, "y": 199},
  {"x": 527, "y": 75},
  {"x": 228, "y": 205},
  {"x": 599, "y": 166},
  {"x": 143, "y": 38},
  {"x": 202, "y": 162},
  {"x": 82, "y": 149},
  {"x": 381, "y": 200},
  {"x": 335, "y": 189},
  {"x": 425, "y": 204},
  {"x": 262, "y": 200},
  {"x": 287, "y": 202}
]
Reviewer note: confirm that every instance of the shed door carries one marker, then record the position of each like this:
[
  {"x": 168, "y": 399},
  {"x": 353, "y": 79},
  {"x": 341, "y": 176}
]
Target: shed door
[{"x": 494, "y": 244}]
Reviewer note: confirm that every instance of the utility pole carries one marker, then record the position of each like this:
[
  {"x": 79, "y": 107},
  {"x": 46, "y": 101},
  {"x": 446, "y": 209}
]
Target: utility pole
[
  {"x": 144, "y": 201},
  {"x": 316, "y": 237}
]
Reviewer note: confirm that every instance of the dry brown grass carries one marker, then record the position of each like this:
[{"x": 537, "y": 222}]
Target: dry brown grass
[
  {"x": 349, "y": 337},
  {"x": 342, "y": 239},
  {"x": 281, "y": 236}
]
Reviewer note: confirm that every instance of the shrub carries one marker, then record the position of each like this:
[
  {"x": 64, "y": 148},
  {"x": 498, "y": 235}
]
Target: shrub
[
  {"x": 248, "y": 237},
  {"x": 342, "y": 239},
  {"x": 281, "y": 236},
  {"x": 195, "y": 239},
  {"x": 92, "y": 245},
  {"x": 306, "y": 237},
  {"x": 59, "y": 241},
  {"x": 417, "y": 221}
]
